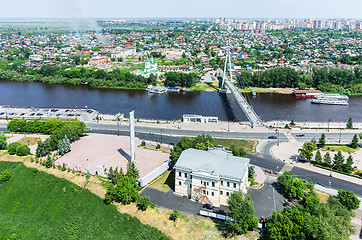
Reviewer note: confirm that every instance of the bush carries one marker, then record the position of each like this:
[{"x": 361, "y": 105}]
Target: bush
[
  {"x": 3, "y": 143},
  {"x": 158, "y": 146},
  {"x": 143, "y": 143},
  {"x": 174, "y": 215},
  {"x": 251, "y": 172},
  {"x": 35, "y": 170},
  {"x": 142, "y": 203},
  {"x": 12, "y": 147},
  {"x": 5, "y": 176},
  {"x": 22, "y": 150}
]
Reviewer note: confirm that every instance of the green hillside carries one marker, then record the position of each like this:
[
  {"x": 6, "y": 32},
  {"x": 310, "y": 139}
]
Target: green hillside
[{"x": 42, "y": 206}]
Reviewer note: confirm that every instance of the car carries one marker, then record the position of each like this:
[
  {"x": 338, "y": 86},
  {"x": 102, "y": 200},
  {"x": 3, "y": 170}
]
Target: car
[
  {"x": 208, "y": 206},
  {"x": 39, "y": 114},
  {"x": 300, "y": 135},
  {"x": 2, "y": 113},
  {"x": 58, "y": 114},
  {"x": 54, "y": 110},
  {"x": 22, "y": 114},
  {"x": 32, "y": 114},
  {"x": 172, "y": 143},
  {"x": 272, "y": 137},
  {"x": 11, "y": 114}
]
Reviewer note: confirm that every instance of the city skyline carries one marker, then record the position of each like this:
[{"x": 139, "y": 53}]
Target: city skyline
[{"x": 322, "y": 9}]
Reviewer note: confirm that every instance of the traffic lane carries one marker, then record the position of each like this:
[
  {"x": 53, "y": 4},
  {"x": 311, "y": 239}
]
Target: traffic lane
[
  {"x": 324, "y": 180},
  {"x": 330, "y": 137},
  {"x": 267, "y": 163}
]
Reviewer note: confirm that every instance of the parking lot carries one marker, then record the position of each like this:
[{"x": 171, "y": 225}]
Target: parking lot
[{"x": 44, "y": 113}]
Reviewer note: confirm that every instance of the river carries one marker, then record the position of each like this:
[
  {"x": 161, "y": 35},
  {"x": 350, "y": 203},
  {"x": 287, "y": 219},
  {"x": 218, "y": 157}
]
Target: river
[{"x": 170, "y": 106}]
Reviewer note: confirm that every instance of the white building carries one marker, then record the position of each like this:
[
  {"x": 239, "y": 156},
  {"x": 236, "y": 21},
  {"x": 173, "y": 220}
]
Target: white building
[
  {"x": 198, "y": 118},
  {"x": 210, "y": 176}
]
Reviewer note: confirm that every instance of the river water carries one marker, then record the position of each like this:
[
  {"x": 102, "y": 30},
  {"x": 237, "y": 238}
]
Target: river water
[{"x": 170, "y": 106}]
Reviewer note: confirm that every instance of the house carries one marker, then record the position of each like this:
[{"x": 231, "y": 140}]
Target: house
[
  {"x": 198, "y": 118},
  {"x": 210, "y": 176}
]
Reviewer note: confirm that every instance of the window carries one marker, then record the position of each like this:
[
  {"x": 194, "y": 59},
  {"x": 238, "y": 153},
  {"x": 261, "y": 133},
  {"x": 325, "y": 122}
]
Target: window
[
  {"x": 204, "y": 192},
  {"x": 227, "y": 193},
  {"x": 222, "y": 182},
  {"x": 228, "y": 184},
  {"x": 212, "y": 193},
  {"x": 190, "y": 176},
  {"x": 207, "y": 192},
  {"x": 207, "y": 183},
  {"x": 179, "y": 183},
  {"x": 179, "y": 174},
  {"x": 234, "y": 185},
  {"x": 213, "y": 184},
  {"x": 201, "y": 181},
  {"x": 220, "y": 192},
  {"x": 185, "y": 175}
]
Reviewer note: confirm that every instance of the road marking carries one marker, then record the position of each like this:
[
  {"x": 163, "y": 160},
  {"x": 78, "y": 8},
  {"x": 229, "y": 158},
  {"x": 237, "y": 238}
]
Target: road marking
[
  {"x": 275, "y": 207},
  {"x": 287, "y": 167},
  {"x": 290, "y": 137}
]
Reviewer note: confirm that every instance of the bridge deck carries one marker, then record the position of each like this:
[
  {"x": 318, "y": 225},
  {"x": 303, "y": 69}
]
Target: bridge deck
[{"x": 254, "y": 119}]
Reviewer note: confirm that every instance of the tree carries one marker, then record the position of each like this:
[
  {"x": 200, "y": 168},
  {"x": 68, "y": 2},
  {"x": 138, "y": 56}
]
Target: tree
[
  {"x": 292, "y": 123},
  {"x": 125, "y": 191},
  {"x": 348, "y": 199},
  {"x": 49, "y": 162},
  {"x": 5, "y": 176},
  {"x": 291, "y": 186},
  {"x": 142, "y": 203},
  {"x": 241, "y": 209},
  {"x": 349, "y": 123},
  {"x": 61, "y": 147},
  {"x": 322, "y": 141},
  {"x": 354, "y": 143},
  {"x": 132, "y": 171},
  {"x": 174, "y": 215},
  {"x": 348, "y": 166},
  {"x": 338, "y": 161},
  {"x": 22, "y": 150},
  {"x": 307, "y": 150},
  {"x": 12, "y": 147},
  {"x": 318, "y": 157},
  {"x": 251, "y": 172},
  {"x": 66, "y": 144},
  {"x": 3, "y": 143},
  {"x": 327, "y": 159}
]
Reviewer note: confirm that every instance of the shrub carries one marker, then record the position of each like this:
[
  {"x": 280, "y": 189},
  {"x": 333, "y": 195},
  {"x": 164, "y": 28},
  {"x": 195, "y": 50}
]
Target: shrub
[
  {"x": 12, "y": 147},
  {"x": 142, "y": 203},
  {"x": 3, "y": 143},
  {"x": 35, "y": 170},
  {"x": 5, "y": 176},
  {"x": 63, "y": 168},
  {"x": 174, "y": 215},
  {"x": 143, "y": 143},
  {"x": 286, "y": 126},
  {"x": 251, "y": 172},
  {"x": 158, "y": 146},
  {"x": 22, "y": 150}
]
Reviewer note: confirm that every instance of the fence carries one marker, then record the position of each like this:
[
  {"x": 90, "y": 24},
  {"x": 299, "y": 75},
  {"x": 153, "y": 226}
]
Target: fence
[
  {"x": 155, "y": 173},
  {"x": 215, "y": 215}
]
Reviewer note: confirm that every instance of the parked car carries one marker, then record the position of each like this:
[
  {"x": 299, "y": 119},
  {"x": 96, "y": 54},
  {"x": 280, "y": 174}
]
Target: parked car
[
  {"x": 208, "y": 206},
  {"x": 2, "y": 113},
  {"x": 300, "y": 135},
  {"x": 39, "y": 114},
  {"x": 272, "y": 137},
  {"x": 32, "y": 114},
  {"x": 22, "y": 114}
]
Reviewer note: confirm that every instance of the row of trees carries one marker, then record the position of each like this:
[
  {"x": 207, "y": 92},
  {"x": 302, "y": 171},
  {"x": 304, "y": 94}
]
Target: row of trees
[
  {"x": 44, "y": 127},
  {"x": 173, "y": 79},
  {"x": 312, "y": 219},
  {"x": 3, "y": 143},
  {"x": 77, "y": 76},
  {"x": 343, "y": 81}
]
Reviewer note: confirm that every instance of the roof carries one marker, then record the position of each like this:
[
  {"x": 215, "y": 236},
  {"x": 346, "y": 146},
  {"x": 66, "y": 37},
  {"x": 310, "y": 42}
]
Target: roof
[
  {"x": 217, "y": 161},
  {"x": 306, "y": 91}
]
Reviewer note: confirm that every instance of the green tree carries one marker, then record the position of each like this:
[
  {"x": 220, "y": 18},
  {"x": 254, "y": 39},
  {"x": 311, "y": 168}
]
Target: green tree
[
  {"x": 12, "y": 147},
  {"x": 307, "y": 150},
  {"x": 327, "y": 159},
  {"x": 241, "y": 209},
  {"x": 318, "y": 157},
  {"x": 61, "y": 147},
  {"x": 349, "y": 123},
  {"x": 322, "y": 141},
  {"x": 22, "y": 150},
  {"x": 292, "y": 123},
  {"x": 174, "y": 215},
  {"x": 354, "y": 143},
  {"x": 3, "y": 143},
  {"x": 66, "y": 143},
  {"x": 287, "y": 224},
  {"x": 291, "y": 186},
  {"x": 5, "y": 176},
  {"x": 348, "y": 199},
  {"x": 338, "y": 161},
  {"x": 132, "y": 171},
  {"x": 142, "y": 203},
  {"x": 49, "y": 162},
  {"x": 348, "y": 166},
  {"x": 125, "y": 191},
  {"x": 251, "y": 172}
]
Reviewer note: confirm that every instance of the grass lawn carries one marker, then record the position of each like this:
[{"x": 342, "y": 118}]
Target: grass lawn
[
  {"x": 342, "y": 148},
  {"x": 323, "y": 197},
  {"x": 247, "y": 145},
  {"x": 37, "y": 205},
  {"x": 164, "y": 182},
  {"x": 206, "y": 87}
]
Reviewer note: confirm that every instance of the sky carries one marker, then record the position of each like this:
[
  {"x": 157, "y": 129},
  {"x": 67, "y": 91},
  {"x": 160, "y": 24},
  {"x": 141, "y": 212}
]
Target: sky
[{"x": 181, "y": 9}]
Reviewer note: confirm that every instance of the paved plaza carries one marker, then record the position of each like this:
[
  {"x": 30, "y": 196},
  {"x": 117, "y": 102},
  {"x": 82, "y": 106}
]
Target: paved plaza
[{"x": 105, "y": 151}]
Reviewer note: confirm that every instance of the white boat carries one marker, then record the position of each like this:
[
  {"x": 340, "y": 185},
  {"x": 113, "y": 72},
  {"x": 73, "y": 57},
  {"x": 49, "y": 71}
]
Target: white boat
[
  {"x": 331, "y": 99},
  {"x": 253, "y": 93},
  {"x": 155, "y": 89}
]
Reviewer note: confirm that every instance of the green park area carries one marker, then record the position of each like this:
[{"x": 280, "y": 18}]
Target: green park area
[{"x": 37, "y": 205}]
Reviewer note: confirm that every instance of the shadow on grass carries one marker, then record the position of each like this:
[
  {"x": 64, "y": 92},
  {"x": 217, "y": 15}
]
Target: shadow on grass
[
  {"x": 212, "y": 86},
  {"x": 170, "y": 181}
]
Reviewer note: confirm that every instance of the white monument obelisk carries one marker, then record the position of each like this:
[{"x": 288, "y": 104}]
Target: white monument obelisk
[{"x": 132, "y": 136}]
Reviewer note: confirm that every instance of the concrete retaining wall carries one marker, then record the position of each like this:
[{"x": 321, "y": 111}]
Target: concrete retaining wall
[{"x": 154, "y": 174}]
